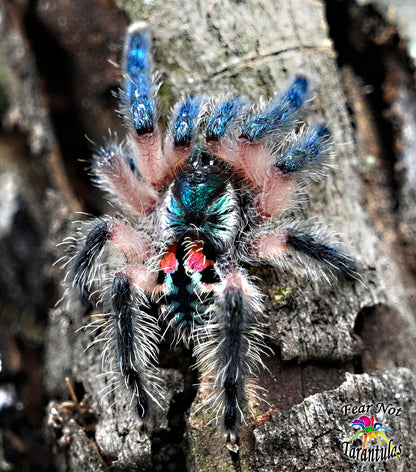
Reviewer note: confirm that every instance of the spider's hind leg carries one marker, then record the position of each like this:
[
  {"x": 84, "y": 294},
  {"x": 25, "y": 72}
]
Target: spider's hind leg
[
  {"x": 229, "y": 348},
  {"x": 107, "y": 265},
  {"x": 96, "y": 241},
  {"x": 307, "y": 249},
  {"x": 134, "y": 349}
]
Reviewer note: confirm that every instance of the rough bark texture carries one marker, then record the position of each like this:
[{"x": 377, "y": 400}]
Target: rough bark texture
[{"x": 351, "y": 343}]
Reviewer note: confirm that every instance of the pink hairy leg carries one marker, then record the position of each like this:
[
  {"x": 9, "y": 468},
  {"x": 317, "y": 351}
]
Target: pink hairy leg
[
  {"x": 114, "y": 175},
  {"x": 252, "y": 161},
  {"x": 149, "y": 158},
  {"x": 140, "y": 277},
  {"x": 136, "y": 245}
]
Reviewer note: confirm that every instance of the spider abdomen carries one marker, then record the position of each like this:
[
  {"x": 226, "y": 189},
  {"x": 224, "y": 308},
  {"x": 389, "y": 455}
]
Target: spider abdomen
[{"x": 186, "y": 276}]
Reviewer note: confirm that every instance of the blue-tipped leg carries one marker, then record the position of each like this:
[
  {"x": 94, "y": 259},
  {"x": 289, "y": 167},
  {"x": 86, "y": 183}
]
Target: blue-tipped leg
[
  {"x": 186, "y": 121},
  {"x": 306, "y": 150},
  {"x": 225, "y": 113},
  {"x": 280, "y": 112},
  {"x": 137, "y": 65}
]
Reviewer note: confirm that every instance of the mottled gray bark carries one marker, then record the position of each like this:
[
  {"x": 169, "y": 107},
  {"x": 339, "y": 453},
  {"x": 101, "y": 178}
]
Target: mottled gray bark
[{"x": 333, "y": 345}]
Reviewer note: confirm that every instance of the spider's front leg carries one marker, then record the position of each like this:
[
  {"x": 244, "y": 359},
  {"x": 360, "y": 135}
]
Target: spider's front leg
[
  {"x": 182, "y": 132},
  {"x": 139, "y": 108},
  {"x": 259, "y": 151},
  {"x": 155, "y": 165},
  {"x": 107, "y": 266},
  {"x": 132, "y": 173},
  {"x": 229, "y": 348}
]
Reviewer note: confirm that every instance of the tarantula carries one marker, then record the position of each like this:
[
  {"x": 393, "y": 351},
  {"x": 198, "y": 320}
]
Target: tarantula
[{"x": 197, "y": 209}]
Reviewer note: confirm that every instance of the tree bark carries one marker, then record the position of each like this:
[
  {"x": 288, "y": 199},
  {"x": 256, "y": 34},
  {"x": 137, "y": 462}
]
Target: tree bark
[{"x": 350, "y": 343}]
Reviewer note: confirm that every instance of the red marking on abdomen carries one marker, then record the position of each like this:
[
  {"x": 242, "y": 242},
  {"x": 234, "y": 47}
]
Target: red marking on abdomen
[
  {"x": 196, "y": 261},
  {"x": 169, "y": 263}
]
